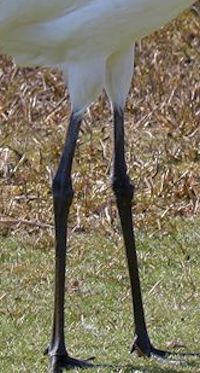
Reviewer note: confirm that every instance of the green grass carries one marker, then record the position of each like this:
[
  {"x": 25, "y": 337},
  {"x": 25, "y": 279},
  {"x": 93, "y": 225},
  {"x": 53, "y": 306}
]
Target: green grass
[
  {"x": 98, "y": 313},
  {"x": 162, "y": 138}
]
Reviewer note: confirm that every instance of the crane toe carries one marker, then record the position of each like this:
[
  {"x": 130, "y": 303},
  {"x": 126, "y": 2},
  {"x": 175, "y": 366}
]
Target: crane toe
[
  {"x": 58, "y": 364},
  {"x": 144, "y": 348}
]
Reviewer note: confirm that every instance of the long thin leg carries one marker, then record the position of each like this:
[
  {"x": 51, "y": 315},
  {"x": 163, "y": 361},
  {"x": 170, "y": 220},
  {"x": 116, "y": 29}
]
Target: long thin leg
[
  {"x": 62, "y": 197},
  {"x": 123, "y": 190}
]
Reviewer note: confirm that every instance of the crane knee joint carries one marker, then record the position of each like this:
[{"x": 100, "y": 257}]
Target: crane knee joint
[
  {"x": 62, "y": 190},
  {"x": 123, "y": 188}
]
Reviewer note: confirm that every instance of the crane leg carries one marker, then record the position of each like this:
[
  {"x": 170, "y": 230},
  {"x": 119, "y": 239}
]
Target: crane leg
[
  {"x": 123, "y": 190},
  {"x": 62, "y": 198}
]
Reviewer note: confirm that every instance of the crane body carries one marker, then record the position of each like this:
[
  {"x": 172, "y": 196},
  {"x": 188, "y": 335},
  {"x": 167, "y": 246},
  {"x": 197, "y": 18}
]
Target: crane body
[
  {"x": 92, "y": 41},
  {"x": 61, "y": 32}
]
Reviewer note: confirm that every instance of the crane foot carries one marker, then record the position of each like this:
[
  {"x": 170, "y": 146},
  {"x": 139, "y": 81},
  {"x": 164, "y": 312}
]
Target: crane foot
[
  {"x": 146, "y": 349},
  {"x": 59, "y": 363}
]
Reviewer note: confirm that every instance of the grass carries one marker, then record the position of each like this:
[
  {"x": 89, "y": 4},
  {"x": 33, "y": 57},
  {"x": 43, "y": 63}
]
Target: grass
[
  {"x": 98, "y": 314},
  {"x": 163, "y": 136}
]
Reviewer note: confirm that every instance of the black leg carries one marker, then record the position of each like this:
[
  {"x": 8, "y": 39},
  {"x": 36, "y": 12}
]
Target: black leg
[
  {"x": 123, "y": 190},
  {"x": 62, "y": 197}
]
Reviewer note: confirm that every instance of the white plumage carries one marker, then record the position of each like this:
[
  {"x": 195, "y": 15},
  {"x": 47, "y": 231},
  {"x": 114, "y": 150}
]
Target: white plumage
[
  {"x": 86, "y": 38},
  {"x": 93, "y": 42}
]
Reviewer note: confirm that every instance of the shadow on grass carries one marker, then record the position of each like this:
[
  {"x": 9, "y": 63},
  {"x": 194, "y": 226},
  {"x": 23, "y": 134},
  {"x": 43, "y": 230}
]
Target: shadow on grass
[{"x": 167, "y": 366}]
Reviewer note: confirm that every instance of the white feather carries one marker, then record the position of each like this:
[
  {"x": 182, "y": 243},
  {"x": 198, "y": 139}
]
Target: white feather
[{"x": 84, "y": 37}]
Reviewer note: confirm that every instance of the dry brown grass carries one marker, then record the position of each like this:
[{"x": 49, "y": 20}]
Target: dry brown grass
[{"x": 162, "y": 127}]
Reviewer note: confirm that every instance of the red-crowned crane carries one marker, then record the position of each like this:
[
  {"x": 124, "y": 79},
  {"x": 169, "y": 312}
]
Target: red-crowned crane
[{"x": 93, "y": 43}]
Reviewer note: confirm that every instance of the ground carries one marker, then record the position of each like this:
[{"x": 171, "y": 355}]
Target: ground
[{"x": 163, "y": 136}]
